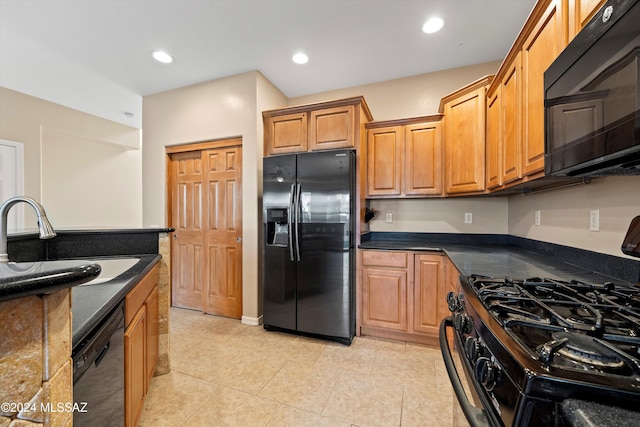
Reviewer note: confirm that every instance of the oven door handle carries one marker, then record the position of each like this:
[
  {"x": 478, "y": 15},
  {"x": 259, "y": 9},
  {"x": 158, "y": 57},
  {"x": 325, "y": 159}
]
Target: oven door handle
[{"x": 476, "y": 417}]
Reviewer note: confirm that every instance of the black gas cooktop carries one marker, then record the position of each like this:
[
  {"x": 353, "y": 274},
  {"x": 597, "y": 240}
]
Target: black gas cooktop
[{"x": 593, "y": 328}]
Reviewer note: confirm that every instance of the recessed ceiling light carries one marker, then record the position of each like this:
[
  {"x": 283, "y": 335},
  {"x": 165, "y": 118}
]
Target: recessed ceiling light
[
  {"x": 432, "y": 25},
  {"x": 300, "y": 58},
  {"x": 162, "y": 56}
]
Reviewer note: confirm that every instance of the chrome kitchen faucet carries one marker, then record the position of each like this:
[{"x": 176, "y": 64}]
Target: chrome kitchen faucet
[{"x": 44, "y": 226}]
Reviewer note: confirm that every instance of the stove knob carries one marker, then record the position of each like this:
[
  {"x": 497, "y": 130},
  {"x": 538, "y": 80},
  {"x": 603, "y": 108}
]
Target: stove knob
[
  {"x": 487, "y": 373},
  {"x": 473, "y": 348},
  {"x": 462, "y": 323},
  {"x": 453, "y": 302}
]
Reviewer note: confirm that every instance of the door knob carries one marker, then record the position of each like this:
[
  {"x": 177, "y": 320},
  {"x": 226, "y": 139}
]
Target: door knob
[{"x": 238, "y": 239}]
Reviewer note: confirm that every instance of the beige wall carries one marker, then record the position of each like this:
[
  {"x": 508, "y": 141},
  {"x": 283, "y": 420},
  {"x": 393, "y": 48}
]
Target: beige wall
[
  {"x": 408, "y": 97},
  {"x": 419, "y": 96},
  {"x": 217, "y": 109},
  {"x": 53, "y": 137},
  {"x": 564, "y": 214},
  {"x": 490, "y": 215},
  {"x": 268, "y": 98}
]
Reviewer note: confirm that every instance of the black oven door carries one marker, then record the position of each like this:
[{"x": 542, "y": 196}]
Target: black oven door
[
  {"x": 592, "y": 97},
  {"x": 477, "y": 417}
]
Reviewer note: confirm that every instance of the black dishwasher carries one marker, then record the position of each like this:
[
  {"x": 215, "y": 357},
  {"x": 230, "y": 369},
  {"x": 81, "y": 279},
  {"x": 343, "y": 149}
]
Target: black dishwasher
[{"x": 98, "y": 374}]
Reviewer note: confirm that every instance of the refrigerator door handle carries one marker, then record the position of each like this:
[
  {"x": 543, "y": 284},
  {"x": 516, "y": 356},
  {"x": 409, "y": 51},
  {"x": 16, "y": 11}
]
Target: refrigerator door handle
[
  {"x": 290, "y": 220},
  {"x": 297, "y": 219}
]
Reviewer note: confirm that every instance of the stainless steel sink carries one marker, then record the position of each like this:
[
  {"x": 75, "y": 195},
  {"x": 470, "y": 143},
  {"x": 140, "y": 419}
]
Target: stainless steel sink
[{"x": 110, "y": 268}]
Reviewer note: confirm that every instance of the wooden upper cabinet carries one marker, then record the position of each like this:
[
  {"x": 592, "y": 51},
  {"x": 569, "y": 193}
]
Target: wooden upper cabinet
[
  {"x": 313, "y": 127},
  {"x": 511, "y": 119},
  {"x": 332, "y": 128},
  {"x": 494, "y": 140},
  {"x": 580, "y": 13},
  {"x": 543, "y": 44},
  {"x": 285, "y": 134},
  {"x": 404, "y": 157},
  {"x": 464, "y": 138},
  {"x": 423, "y": 159},
  {"x": 385, "y": 147}
]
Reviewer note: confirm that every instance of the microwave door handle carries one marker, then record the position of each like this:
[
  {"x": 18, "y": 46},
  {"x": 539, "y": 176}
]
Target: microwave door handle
[
  {"x": 297, "y": 219},
  {"x": 290, "y": 220}
]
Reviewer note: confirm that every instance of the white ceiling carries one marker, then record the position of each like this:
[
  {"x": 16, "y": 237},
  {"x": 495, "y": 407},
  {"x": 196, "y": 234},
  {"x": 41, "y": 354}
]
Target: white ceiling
[{"x": 94, "y": 55}]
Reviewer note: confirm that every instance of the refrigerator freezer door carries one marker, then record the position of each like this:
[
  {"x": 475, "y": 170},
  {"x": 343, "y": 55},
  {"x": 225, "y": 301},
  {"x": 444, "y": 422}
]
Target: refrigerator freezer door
[
  {"x": 279, "y": 269},
  {"x": 325, "y": 271}
]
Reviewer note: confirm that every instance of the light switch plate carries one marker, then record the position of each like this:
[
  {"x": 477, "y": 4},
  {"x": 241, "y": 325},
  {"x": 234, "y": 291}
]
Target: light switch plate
[
  {"x": 536, "y": 220},
  {"x": 389, "y": 217},
  {"x": 468, "y": 218}
]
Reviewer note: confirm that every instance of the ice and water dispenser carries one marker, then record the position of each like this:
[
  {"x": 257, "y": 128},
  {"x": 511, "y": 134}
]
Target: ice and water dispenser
[{"x": 277, "y": 226}]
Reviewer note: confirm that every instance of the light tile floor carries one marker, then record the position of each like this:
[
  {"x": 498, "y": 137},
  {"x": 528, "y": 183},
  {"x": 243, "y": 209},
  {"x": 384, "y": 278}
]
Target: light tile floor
[{"x": 225, "y": 373}]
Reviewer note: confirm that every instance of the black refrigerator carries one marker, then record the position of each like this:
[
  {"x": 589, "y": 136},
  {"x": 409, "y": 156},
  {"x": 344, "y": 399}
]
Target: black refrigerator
[{"x": 309, "y": 255}]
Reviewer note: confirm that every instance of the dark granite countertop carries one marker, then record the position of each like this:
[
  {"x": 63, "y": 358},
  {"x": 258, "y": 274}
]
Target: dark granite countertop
[
  {"x": 91, "y": 303},
  {"x": 20, "y": 279},
  {"x": 75, "y": 248},
  {"x": 506, "y": 256}
]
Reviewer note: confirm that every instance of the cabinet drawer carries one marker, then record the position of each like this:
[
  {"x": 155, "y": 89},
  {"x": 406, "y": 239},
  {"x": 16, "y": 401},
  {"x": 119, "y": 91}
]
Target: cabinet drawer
[
  {"x": 385, "y": 259},
  {"x": 137, "y": 296}
]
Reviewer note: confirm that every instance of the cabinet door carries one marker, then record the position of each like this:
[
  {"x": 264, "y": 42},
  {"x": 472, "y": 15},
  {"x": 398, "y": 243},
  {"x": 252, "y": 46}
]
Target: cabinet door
[
  {"x": 384, "y": 161},
  {"x": 543, "y": 45},
  {"x": 494, "y": 140},
  {"x": 580, "y": 13},
  {"x": 135, "y": 344},
  {"x": 384, "y": 298},
  {"x": 511, "y": 123},
  {"x": 332, "y": 128},
  {"x": 423, "y": 159},
  {"x": 429, "y": 293},
  {"x": 285, "y": 134},
  {"x": 152, "y": 332},
  {"x": 464, "y": 120}
]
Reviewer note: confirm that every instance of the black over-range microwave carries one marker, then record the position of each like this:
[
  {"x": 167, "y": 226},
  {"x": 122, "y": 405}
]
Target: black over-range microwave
[{"x": 592, "y": 97}]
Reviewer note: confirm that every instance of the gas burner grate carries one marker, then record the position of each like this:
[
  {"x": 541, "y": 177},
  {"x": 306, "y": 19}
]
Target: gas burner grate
[
  {"x": 596, "y": 309},
  {"x": 602, "y": 313},
  {"x": 582, "y": 349}
]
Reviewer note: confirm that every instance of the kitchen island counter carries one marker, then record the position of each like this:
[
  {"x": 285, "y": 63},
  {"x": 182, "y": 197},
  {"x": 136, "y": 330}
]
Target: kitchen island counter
[
  {"x": 22, "y": 279},
  {"x": 91, "y": 303}
]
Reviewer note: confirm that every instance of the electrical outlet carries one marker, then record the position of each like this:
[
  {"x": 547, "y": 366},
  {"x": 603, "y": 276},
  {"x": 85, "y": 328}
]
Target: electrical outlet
[
  {"x": 594, "y": 220},
  {"x": 536, "y": 219},
  {"x": 389, "y": 217},
  {"x": 468, "y": 218}
]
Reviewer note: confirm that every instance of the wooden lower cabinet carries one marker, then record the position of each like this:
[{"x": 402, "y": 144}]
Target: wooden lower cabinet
[
  {"x": 384, "y": 289},
  {"x": 135, "y": 383},
  {"x": 140, "y": 344},
  {"x": 385, "y": 298},
  {"x": 152, "y": 333},
  {"x": 429, "y": 293},
  {"x": 403, "y": 294}
]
